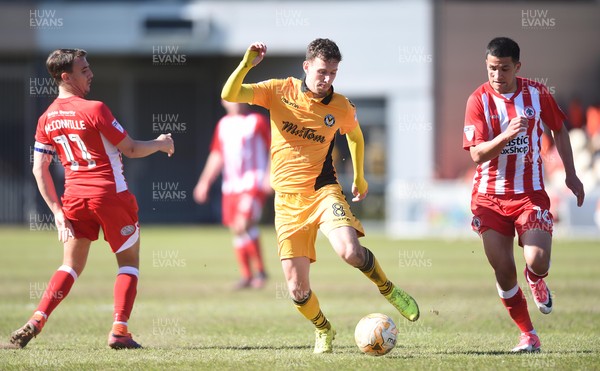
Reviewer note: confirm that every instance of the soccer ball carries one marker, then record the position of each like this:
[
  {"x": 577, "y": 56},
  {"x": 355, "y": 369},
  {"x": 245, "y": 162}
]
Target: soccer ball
[{"x": 375, "y": 334}]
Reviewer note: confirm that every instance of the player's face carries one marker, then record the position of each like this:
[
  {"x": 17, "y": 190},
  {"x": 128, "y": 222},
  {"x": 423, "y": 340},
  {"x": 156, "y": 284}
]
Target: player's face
[
  {"x": 320, "y": 75},
  {"x": 80, "y": 79},
  {"x": 502, "y": 73}
]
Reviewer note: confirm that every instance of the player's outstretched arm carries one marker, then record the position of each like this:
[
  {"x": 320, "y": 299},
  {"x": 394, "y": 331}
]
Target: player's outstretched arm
[
  {"x": 563, "y": 146},
  {"x": 141, "y": 148},
  {"x": 234, "y": 90},
  {"x": 356, "y": 144},
  {"x": 45, "y": 183}
]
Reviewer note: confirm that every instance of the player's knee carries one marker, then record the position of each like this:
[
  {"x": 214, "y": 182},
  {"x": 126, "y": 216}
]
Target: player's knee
[{"x": 353, "y": 255}]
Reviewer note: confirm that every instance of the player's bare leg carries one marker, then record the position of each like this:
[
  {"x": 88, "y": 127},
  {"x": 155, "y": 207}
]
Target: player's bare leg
[
  {"x": 345, "y": 243},
  {"x": 537, "y": 246},
  {"x": 75, "y": 253},
  {"x": 125, "y": 292},
  {"x": 296, "y": 272},
  {"x": 499, "y": 251}
]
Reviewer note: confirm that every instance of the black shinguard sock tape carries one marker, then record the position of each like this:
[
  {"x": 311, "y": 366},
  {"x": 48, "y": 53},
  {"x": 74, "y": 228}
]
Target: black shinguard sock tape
[
  {"x": 303, "y": 301},
  {"x": 369, "y": 261}
]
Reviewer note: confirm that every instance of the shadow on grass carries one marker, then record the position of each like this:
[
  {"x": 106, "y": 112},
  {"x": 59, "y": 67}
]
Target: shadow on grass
[
  {"x": 8, "y": 346},
  {"x": 245, "y": 347},
  {"x": 509, "y": 353},
  {"x": 398, "y": 352}
]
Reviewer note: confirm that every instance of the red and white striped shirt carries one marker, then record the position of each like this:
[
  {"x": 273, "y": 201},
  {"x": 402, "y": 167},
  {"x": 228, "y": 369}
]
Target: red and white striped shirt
[
  {"x": 243, "y": 141},
  {"x": 518, "y": 168}
]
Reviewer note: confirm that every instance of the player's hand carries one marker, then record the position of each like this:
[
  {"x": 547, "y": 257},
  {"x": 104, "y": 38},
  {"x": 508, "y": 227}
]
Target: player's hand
[
  {"x": 575, "y": 185},
  {"x": 167, "y": 145},
  {"x": 360, "y": 189},
  {"x": 255, "y": 54},
  {"x": 200, "y": 193},
  {"x": 64, "y": 227},
  {"x": 516, "y": 126}
]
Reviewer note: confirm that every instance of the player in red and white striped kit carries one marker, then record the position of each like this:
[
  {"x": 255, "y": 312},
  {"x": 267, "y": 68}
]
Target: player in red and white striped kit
[
  {"x": 240, "y": 151},
  {"x": 89, "y": 142},
  {"x": 504, "y": 122}
]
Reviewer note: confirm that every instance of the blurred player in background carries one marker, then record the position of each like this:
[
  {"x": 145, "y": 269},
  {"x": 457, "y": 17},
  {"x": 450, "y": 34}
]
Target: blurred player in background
[
  {"x": 89, "y": 142},
  {"x": 503, "y": 128},
  {"x": 305, "y": 115},
  {"x": 240, "y": 151}
]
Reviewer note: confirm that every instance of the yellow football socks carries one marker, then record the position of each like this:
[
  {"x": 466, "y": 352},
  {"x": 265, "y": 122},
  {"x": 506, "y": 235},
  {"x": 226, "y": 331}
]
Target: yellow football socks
[
  {"x": 373, "y": 271},
  {"x": 310, "y": 309}
]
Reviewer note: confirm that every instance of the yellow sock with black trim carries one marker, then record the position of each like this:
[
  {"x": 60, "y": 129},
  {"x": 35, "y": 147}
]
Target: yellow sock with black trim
[
  {"x": 309, "y": 307},
  {"x": 373, "y": 271}
]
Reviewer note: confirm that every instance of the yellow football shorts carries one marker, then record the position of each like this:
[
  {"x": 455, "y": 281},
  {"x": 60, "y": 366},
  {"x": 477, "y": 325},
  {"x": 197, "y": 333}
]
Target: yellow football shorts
[{"x": 298, "y": 217}]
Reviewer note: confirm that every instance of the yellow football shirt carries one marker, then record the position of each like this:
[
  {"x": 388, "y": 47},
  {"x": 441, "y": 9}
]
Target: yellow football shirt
[{"x": 302, "y": 133}]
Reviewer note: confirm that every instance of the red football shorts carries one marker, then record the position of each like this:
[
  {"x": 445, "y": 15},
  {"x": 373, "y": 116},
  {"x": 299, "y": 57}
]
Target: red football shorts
[
  {"x": 116, "y": 214},
  {"x": 247, "y": 205},
  {"x": 507, "y": 213}
]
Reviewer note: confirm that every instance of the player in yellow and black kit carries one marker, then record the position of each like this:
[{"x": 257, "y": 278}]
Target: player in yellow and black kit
[{"x": 305, "y": 115}]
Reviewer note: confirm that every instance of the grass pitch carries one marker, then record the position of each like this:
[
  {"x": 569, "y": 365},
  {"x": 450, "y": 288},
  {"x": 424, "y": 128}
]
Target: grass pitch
[{"x": 187, "y": 316}]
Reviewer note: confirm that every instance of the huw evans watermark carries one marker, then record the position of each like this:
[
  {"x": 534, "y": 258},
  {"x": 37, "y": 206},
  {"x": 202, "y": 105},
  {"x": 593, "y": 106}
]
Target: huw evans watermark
[
  {"x": 537, "y": 19},
  {"x": 167, "y": 55},
  {"x": 168, "y": 191},
  {"x": 168, "y": 123},
  {"x": 290, "y": 18},
  {"x": 46, "y": 19},
  {"x": 167, "y": 259},
  {"x": 414, "y": 54},
  {"x": 42, "y": 87}
]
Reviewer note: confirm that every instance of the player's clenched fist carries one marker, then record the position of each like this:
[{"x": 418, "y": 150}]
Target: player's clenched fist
[
  {"x": 255, "y": 54},
  {"x": 167, "y": 145},
  {"x": 516, "y": 125},
  {"x": 360, "y": 188}
]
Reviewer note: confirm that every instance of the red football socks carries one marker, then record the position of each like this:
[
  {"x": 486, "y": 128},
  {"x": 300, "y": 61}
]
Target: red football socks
[
  {"x": 58, "y": 288},
  {"x": 125, "y": 292},
  {"x": 532, "y": 276},
  {"x": 243, "y": 258},
  {"x": 517, "y": 309},
  {"x": 253, "y": 248}
]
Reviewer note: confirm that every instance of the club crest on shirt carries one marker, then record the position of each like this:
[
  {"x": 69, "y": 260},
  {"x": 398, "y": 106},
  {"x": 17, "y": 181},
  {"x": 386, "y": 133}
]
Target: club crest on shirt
[
  {"x": 117, "y": 126},
  {"x": 529, "y": 112},
  {"x": 329, "y": 120},
  {"x": 469, "y": 132}
]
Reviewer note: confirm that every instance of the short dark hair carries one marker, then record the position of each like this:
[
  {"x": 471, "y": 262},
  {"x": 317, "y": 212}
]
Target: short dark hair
[
  {"x": 323, "y": 48},
  {"x": 61, "y": 60},
  {"x": 503, "y": 47}
]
